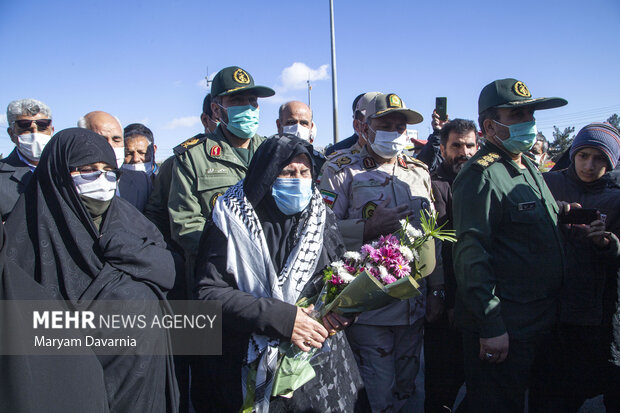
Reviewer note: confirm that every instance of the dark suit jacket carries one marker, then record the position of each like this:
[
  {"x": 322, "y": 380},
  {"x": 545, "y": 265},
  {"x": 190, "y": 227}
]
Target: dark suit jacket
[
  {"x": 14, "y": 176},
  {"x": 135, "y": 187}
]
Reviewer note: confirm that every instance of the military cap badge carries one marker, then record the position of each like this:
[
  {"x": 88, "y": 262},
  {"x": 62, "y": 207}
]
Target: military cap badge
[
  {"x": 394, "y": 101},
  {"x": 240, "y": 76},
  {"x": 520, "y": 89}
]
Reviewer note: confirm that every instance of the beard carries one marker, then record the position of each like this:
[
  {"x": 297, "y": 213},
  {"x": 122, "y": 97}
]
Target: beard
[{"x": 456, "y": 164}]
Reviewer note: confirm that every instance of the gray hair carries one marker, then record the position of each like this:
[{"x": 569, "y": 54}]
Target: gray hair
[
  {"x": 83, "y": 122},
  {"x": 28, "y": 107}
]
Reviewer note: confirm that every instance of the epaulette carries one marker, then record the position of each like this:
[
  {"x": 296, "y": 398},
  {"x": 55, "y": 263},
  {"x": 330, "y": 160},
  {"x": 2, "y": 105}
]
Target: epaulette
[
  {"x": 409, "y": 160},
  {"x": 191, "y": 142},
  {"x": 339, "y": 162},
  {"x": 488, "y": 159}
]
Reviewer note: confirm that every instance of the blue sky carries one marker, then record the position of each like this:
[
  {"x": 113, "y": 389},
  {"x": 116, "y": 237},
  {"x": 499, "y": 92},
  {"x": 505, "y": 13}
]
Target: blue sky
[{"x": 145, "y": 61}]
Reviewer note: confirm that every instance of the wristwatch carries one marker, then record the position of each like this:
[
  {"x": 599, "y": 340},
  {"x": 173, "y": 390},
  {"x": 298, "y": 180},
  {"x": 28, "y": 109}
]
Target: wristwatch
[{"x": 439, "y": 293}]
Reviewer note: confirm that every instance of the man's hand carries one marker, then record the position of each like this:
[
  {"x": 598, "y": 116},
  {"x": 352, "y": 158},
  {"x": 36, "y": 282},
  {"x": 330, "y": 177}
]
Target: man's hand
[
  {"x": 385, "y": 220},
  {"x": 334, "y": 322},
  {"x": 437, "y": 123},
  {"x": 597, "y": 234},
  {"x": 494, "y": 349},
  {"x": 307, "y": 332},
  {"x": 565, "y": 207},
  {"x": 434, "y": 305}
]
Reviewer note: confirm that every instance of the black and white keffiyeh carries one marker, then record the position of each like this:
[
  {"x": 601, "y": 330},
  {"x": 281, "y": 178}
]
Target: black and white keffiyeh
[{"x": 249, "y": 260}]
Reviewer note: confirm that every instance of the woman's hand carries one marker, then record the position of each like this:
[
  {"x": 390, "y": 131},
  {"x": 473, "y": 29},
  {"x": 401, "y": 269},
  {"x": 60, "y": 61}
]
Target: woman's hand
[
  {"x": 334, "y": 322},
  {"x": 307, "y": 332}
]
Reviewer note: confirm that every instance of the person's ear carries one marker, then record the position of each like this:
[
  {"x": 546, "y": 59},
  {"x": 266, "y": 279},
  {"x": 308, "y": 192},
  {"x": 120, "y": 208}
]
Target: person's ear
[
  {"x": 442, "y": 149},
  {"x": 13, "y": 136},
  {"x": 489, "y": 127}
]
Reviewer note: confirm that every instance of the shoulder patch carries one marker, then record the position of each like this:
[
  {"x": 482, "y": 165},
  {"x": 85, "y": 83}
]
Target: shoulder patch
[
  {"x": 214, "y": 198},
  {"x": 216, "y": 150},
  {"x": 369, "y": 162},
  {"x": 368, "y": 210},
  {"x": 402, "y": 163},
  {"x": 189, "y": 143},
  {"x": 329, "y": 197},
  {"x": 355, "y": 151}
]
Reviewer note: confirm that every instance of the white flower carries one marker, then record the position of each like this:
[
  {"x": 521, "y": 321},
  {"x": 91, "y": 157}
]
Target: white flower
[
  {"x": 382, "y": 271},
  {"x": 413, "y": 232},
  {"x": 346, "y": 276},
  {"x": 375, "y": 244},
  {"x": 406, "y": 252},
  {"x": 416, "y": 255},
  {"x": 353, "y": 255},
  {"x": 338, "y": 267}
]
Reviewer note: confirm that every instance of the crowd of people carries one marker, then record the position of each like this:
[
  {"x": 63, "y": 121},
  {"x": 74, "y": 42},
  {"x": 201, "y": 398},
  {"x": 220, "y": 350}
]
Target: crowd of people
[{"x": 526, "y": 300}]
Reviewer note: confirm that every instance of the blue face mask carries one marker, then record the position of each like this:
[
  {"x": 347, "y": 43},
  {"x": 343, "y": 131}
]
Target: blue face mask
[
  {"x": 292, "y": 195},
  {"x": 242, "y": 120},
  {"x": 522, "y": 137}
]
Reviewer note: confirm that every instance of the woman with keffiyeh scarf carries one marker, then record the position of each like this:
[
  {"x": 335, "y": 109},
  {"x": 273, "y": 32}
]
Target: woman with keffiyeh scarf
[{"x": 269, "y": 238}]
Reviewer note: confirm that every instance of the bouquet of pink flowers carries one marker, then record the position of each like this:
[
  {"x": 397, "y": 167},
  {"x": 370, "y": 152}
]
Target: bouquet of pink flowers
[{"x": 381, "y": 273}]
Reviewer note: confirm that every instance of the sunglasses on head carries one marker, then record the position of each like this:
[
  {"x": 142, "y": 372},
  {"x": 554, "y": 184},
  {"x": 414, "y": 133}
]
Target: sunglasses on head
[{"x": 42, "y": 124}]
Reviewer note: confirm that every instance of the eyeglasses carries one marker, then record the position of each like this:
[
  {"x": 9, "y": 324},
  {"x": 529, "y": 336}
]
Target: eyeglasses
[
  {"x": 91, "y": 175},
  {"x": 42, "y": 124}
]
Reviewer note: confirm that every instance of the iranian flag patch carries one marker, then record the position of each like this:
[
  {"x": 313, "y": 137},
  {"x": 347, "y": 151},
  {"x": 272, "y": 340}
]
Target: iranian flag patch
[{"x": 329, "y": 198}]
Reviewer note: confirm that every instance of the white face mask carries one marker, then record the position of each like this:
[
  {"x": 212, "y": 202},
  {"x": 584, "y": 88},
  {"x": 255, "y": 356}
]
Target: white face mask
[
  {"x": 298, "y": 130},
  {"x": 100, "y": 187},
  {"x": 388, "y": 144},
  {"x": 141, "y": 167},
  {"x": 119, "y": 153},
  {"x": 31, "y": 144}
]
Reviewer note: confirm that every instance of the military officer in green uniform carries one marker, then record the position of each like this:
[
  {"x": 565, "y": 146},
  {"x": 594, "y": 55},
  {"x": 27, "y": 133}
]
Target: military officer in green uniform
[
  {"x": 206, "y": 166},
  {"x": 509, "y": 258}
]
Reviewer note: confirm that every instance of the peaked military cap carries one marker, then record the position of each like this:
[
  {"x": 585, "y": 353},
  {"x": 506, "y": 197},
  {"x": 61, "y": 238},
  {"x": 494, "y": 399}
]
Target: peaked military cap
[
  {"x": 383, "y": 105},
  {"x": 234, "y": 79},
  {"x": 510, "y": 93}
]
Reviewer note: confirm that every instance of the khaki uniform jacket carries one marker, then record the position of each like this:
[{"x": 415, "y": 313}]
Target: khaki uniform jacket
[
  {"x": 205, "y": 166},
  {"x": 509, "y": 258},
  {"x": 353, "y": 185}
]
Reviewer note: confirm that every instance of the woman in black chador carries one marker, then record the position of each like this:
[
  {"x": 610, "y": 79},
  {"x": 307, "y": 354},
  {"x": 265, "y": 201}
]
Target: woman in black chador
[
  {"x": 269, "y": 238},
  {"x": 71, "y": 234}
]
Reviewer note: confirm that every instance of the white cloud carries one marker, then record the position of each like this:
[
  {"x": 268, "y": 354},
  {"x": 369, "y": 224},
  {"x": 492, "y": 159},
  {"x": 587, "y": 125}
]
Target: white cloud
[
  {"x": 183, "y": 122},
  {"x": 3, "y": 120},
  {"x": 296, "y": 76}
]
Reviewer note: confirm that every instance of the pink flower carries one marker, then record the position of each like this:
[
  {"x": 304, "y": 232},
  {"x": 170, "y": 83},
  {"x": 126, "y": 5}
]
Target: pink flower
[{"x": 388, "y": 279}]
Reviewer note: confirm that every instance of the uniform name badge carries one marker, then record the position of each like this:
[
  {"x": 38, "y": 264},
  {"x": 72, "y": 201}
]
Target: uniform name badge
[{"x": 526, "y": 206}]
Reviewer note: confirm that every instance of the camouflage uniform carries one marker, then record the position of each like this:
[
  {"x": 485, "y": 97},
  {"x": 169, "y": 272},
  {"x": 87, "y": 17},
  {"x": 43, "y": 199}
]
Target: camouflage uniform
[{"x": 386, "y": 342}]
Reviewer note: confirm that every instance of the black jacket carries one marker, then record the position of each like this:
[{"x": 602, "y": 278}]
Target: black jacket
[
  {"x": 589, "y": 291},
  {"x": 441, "y": 183},
  {"x": 14, "y": 176}
]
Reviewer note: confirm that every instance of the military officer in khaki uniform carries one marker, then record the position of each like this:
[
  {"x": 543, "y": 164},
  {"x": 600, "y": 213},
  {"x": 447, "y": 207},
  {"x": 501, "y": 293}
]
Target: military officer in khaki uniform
[
  {"x": 509, "y": 259},
  {"x": 370, "y": 192},
  {"x": 206, "y": 166}
]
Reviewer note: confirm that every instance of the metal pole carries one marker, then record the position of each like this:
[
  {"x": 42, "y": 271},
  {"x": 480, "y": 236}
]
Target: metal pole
[
  {"x": 309, "y": 99},
  {"x": 334, "y": 87}
]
